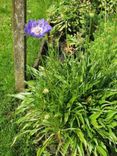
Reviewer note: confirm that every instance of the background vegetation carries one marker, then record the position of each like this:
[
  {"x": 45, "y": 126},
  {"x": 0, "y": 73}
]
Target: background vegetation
[
  {"x": 100, "y": 74},
  {"x": 71, "y": 107}
]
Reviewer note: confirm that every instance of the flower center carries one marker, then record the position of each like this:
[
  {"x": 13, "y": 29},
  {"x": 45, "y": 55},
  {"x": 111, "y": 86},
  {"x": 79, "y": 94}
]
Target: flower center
[{"x": 36, "y": 30}]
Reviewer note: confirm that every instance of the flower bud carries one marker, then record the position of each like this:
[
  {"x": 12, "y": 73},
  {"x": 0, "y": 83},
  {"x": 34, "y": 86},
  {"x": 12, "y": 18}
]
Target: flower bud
[{"x": 45, "y": 91}]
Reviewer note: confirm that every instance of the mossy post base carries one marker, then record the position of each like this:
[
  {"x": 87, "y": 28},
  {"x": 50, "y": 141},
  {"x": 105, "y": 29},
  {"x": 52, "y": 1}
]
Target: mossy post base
[{"x": 19, "y": 18}]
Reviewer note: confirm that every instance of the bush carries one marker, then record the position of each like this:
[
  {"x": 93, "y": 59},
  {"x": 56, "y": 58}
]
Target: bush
[
  {"x": 72, "y": 17},
  {"x": 71, "y": 106},
  {"x": 79, "y": 18}
]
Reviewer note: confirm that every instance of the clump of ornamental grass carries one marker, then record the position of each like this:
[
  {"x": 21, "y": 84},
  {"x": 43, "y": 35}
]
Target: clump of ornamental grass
[{"x": 71, "y": 106}]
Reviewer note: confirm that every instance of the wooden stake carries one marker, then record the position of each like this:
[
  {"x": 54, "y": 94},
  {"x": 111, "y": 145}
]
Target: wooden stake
[{"x": 19, "y": 18}]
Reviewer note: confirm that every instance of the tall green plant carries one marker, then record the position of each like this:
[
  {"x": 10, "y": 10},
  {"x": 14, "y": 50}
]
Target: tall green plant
[{"x": 71, "y": 106}]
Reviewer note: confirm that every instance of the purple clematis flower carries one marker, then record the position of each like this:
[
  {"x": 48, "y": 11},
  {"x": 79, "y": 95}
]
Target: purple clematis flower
[{"x": 37, "y": 28}]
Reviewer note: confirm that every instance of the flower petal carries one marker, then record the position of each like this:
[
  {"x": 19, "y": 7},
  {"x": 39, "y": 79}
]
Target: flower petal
[{"x": 37, "y": 28}]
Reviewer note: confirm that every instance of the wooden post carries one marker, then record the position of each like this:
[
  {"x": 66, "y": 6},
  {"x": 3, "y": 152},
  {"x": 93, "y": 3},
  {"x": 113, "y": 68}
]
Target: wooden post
[{"x": 19, "y": 19}]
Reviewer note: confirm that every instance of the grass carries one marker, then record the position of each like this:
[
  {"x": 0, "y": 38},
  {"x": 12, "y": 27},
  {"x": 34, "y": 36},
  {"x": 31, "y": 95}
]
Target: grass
[
  {"x": 35, "y": 10},
  {"x": 6, "y": 79}
]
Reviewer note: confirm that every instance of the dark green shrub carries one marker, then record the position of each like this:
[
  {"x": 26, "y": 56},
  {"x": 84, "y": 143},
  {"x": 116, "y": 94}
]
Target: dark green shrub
[
  {"x": 79, "y": 18},
  {"x": 71, "y": 107},
  {"x": 71, "y": 17},
  {"x": 106, "y": 7}
]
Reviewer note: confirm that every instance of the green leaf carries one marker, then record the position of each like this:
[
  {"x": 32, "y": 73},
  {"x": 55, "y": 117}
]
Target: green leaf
[
  {"x": 81, "y": 136},
  {"x": 111, "y": 114},
  {"x": 94, "y": 117},
  {"x": 101, "y": 150},
  {"x": 72, "y": 100},
  {"x": 65, "y": 147},
  {"x": 80, "y": 149},
  {"x": 46, "y": 142},
  {"x": 112, "y": 136}
]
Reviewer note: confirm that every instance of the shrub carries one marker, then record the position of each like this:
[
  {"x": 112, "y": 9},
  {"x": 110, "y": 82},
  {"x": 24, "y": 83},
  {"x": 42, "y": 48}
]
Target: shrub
[
  {"x": 71, "y": 17},
  {"x": 79, "y": 18},
  {"x": 71, "y": 106}
]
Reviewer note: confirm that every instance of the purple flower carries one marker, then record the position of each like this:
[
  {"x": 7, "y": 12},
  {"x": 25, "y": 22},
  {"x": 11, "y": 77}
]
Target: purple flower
[{"x": 37, "y": 28}]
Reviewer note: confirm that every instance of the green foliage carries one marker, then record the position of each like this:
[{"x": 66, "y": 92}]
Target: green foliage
[
  {"x": 79, "y": 18},
  {"x": 106, "y": 6},
  {"x": 71, "y": 17},
  {"x": 71, "y": 107},
  {"x": 6, "y": 80}
]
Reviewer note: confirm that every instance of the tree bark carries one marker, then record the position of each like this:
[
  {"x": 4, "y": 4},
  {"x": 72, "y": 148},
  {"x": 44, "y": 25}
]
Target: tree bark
[{"x": 19, "y": 18}]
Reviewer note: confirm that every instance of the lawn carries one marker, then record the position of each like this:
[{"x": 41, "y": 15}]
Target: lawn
[
  {"x": 6, "y": 79},
  {"x": 7, "y": 104}
]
